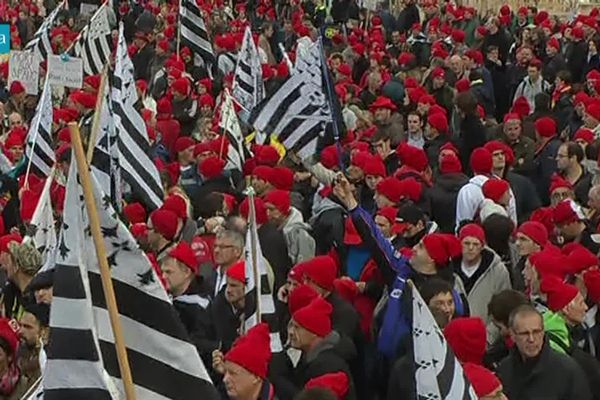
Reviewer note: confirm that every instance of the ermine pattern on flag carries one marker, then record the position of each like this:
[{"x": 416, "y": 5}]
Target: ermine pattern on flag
[
  {"x": 41, "y": 229},
  {"x": 40, "y": 44},
  {"x": 298, "y": 113},
  {"x": 38, "y": 149},
  {"x": 258, "y": 296},
  {"x": 248, "y": 87},
  {"x": 438, "y": 374},
  {"x": 193, "y": 32},
  {"x": 94, "y": 45},
  {"x": 137, "y": 168},
  {"x": 230, "y": 124}
]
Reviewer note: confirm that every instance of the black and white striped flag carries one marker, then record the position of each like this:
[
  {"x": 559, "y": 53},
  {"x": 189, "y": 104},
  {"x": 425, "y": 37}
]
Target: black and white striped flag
[
  {"x": 232, "y": 131},
  {"x": 298, "y": 113},
  {"x": 194, "y": 34},
  {"x": 38, "y": 149},
  {"x": 105, "y": 156},
  {"x": 137, "y": 168},
  {"x": 41, "y": 44},
  {"x": 164, "y": 364},
  {"x": 41, "y": 230},
  {"x": 248, "y": 88},
  {"x": 258, "y": 298},
  {"x": 438, "y": 374},
  {"x": 94, "y": 44}
]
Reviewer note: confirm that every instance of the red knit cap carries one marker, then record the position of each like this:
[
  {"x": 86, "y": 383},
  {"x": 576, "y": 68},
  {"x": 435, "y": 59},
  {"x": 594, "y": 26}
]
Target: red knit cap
[
  {"x": 135, "y": 213},
  {"x": 211, "y": 167},
  {"x": 300, "y": 297},
  {"x": 535, "y": 231},
  {"x": 545, "y": 127},
  {"x": 450, "y": 164},
  {"x": 451, "y": 147},
  {"x": 315, "y": 317},
  {"x": 375, "y": 167},
  {"x": 521, "y": 106},
  {"x": 579, "y": 258},
  {"x": 87, "y": 100},
  {"x": 182, "y": 86},
  {"x": 481, "y": 161},
  {"x": 462, "y": 85},
  {"x": 177, "y": 204},
  {"x": 9, "y": 335},
  {"x": 412, "y": 157},
  {"x": 321, "y": 270},
  {"x": 263, "y": 172},
  {"x": 554, "y": 43},
  {"x": 558, "y": 293},
  {"x": 442, "y": 247},
  {"x": 164, "y": 222},
  {"x": 483, "y": 380},
  {"x": 382, "y": 102},
  {"x": 6, "y": 239},
  {"x": 512, "y": 117},
  {"x": 585, "y": 135},
  {"x": 593, "y": 110},
  {"x": 336, "y": 382},
  {"x": 237, "y": 271},
  {"x": 329, "y": 157},
  {"x": 567, "y": 211},
  {"x": 16, "y": 87},
  {"x": 280, "y": 199},
  {"x": 592, "y": 284},
  {"x": 391, "y": 188},
  {"x": 411, "y": 189},
  {"x": 494, "y": 189},
  {"x": 548, "y": 262},
  {"x": 184, "y": 253},
  {"x": 438, "y": 72},
  {"x": 472, "y": 230},
  {"x": 439, "y": 122},
  {"x": 259, "y": 207},
  {"x": 266, "y": 155},
  {"x": 467, "y": 338},
  {"x": 557, "y": 182},
  {"x": 252, "y": 351},
  {"x": 183, "y": 143},
  {"x": 282, "y": 178}
]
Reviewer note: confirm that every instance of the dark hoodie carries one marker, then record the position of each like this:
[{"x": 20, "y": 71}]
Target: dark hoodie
[{"x": 442, "y": 197}]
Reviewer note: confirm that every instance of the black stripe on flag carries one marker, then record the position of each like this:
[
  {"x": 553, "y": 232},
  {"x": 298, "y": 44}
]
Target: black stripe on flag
[
  {"x": 76, "y": 394},
  {"x": 72, "y": 344}
]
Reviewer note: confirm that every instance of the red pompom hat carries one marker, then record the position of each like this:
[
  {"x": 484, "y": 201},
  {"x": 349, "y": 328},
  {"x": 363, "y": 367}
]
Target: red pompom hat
[
  {"x": 184, "y": 253},
  {"x": 321, "y": 270},
  {"x": 315, "y": 317},
  {"x": 252, "y": 351},
  {"x": 484, "y": 381},
  {"x": 467, "y": 338},
  {"x": 280, "y": 199},
  {"x": 442, "y": 247}
]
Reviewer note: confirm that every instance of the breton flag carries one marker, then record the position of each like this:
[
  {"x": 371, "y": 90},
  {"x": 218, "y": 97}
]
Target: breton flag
[
  {"x": 38, "y": 149},
  {"x": 248, "y": 89},
  {"x": 40, "y": 44},
  {"x": 164, "y": 364},
  {"x": 194, "y": 34},
  {"x": 439, "y": 375},
  {"x": 232, "y": 131},
  {"x": 137, "y": 168},
  {"x": 105, "y": 157},
  {"x": 298, "y": 113},
  {"x": 258, "y": 298},
  {"x": 41, "y": 230},
  {"x": 94, "y": 44}
]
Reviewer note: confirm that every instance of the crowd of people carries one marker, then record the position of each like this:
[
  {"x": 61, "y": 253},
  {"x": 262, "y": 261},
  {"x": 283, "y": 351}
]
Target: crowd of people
[{"x": 468, "y": 164}]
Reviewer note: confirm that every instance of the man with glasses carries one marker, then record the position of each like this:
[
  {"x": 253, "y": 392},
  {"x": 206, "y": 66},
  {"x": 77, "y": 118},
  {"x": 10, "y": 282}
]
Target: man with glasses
[
  {"x": 568, "y": 162},
  {"x": 533, "y": 370},
  {"x": 227, "y": 250}
]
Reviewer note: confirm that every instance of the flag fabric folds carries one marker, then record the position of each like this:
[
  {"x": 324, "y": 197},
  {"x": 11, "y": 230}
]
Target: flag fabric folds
[
  {"x": 38, "y": 149},
  {"x": 258, "y": 295},
  {"x": 94, "y": 44},
  {"x": 136, "y": 165},
  {"x": 438, "y": 374},
  {"x": 40, "y": 44},
  {"x": 194, "y": 34},
  {"x": 232, "y": 131},
  {"x": 164, "y": 364},
  {"x": 248, "y": 87},
  {"x": 298, "y": 113}
]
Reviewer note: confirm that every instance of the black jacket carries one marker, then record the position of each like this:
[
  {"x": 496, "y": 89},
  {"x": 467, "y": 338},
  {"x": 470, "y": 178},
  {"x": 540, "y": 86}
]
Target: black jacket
[
  {"x": 550, "y": 376},
  {"x": 526, "y": 197},
  {"x": 552, "y": 66},
  {"x": 141, "y": 62},
  {"x": 442, "y": 197},
  {"x": 272, "y": 243},
  {"x": 472, "y": 135},
  {"x": 432, "y": 149},
  {"x": 225, "y": 322}
]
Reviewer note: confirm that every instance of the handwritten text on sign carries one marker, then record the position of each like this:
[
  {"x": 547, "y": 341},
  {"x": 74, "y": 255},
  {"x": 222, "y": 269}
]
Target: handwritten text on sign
[
  {"x": 23, "y": 67},
  {"x": 65, "y": 72}
]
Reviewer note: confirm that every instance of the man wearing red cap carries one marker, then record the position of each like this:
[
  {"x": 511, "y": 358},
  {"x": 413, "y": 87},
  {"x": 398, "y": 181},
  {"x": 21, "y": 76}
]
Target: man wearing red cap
[
  {"x": 440, "y": 90},
  {"x": 310, "y": 331},
  {"x": 162, "y": 230},
  {"x": 479, "y": 271},
  {"x": 533, "y": 369},
  {"x": 486, "y": 385},
  {"x": 547, "y": 144},
  {"x": 143, "y": 56},
  {"x": 301, "y": 245},
  {"x": 185, "y": 108},
  {"x": 523, "y": 147},
  {"x": 554, "y": 61},
  {"x": 570, "y": 222},
  {"x": 387, "y": 119}
]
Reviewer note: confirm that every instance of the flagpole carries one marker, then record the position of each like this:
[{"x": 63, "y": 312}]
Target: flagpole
[
  {"x": 107, "y": 286},
  {"x": 96, "y": 121},
  {"x": 253, "y": 256},
  {"x": 179, "y": 29},
  {"x": 78, "y": 36}
]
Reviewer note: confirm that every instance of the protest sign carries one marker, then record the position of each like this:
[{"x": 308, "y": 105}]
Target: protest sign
[{"x": 65, "y": 71}]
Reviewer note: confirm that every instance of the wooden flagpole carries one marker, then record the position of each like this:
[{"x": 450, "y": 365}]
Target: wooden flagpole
[
  {"x": 109, "y": 292},
  {"x": 179, "y": 28},
  {"x": 96, "y": 121}
]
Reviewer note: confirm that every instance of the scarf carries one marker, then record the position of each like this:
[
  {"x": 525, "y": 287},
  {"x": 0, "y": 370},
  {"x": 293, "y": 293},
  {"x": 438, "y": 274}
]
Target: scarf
[{"x": 9, "y": 380}]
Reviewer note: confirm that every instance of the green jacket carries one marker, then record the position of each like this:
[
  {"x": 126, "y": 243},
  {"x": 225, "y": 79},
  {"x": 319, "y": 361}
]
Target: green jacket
[{"x": 557, "y": 332}]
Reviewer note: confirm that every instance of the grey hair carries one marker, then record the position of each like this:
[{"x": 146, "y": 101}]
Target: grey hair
[
  {"x": 236, "y": 237},
  {"x": 523, "y": 310}
]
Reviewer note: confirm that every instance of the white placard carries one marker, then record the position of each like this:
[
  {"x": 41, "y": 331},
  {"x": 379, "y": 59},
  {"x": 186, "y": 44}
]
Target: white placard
[
  {"x": 65, "y": 72},
  {"x": 24, "y": 67},
  {"x": 87, "y": 8}
]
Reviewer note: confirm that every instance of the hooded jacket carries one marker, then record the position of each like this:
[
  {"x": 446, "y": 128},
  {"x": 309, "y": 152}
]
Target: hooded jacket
[
  {"x": 301, "y": 246},
  {"x": 442, "y": 197}
]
